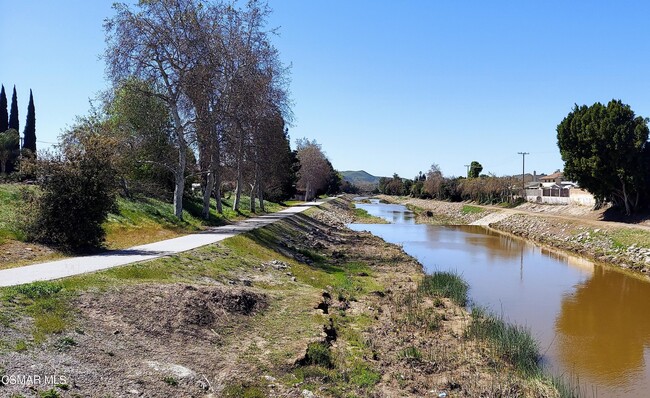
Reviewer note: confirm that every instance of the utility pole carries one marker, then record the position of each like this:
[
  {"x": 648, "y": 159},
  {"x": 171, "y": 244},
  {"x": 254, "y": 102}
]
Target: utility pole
[
  {"x": 467, "y": 170},
  {"x": 523, "y": 173}
]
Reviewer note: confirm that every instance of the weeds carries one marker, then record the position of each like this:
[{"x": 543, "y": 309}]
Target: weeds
[
  {"x": 318, "y": 353},
  {"x": 170, "y": 381},
  {"x": 445, "y": 284},
  {"x": 513, "y": 343},
  {"x": 37, "y": 290},
  {"x": 410, "y": 352}
]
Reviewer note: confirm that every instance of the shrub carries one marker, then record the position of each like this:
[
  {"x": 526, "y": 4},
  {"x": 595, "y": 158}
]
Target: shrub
[{"x": 77, "y": 196}]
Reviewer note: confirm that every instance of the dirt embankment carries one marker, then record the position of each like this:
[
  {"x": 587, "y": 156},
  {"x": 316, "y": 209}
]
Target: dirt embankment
[
  {"x": 620, "y": 246},
  {"x": 302, "y": 308}
]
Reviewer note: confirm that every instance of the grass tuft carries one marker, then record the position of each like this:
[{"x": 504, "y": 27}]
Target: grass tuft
[
  {"x": 445, "y": 284},
  {"x": 513, "y": 343}
]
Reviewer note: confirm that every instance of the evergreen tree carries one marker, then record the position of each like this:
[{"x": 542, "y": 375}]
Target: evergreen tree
[
  {"x": 13, "y": 116},
  {"x": 13, "y": 124},
  {"x": 4, "y": 116},
  {"x": 30, "y": 127}
]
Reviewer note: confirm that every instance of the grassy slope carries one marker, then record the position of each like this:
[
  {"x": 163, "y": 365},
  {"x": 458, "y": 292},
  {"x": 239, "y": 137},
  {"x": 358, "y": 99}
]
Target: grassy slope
[
  {"x": 289, "y": 324},
  {"x": 149, "y": 220},
  {"x": 137, "y": 222}
]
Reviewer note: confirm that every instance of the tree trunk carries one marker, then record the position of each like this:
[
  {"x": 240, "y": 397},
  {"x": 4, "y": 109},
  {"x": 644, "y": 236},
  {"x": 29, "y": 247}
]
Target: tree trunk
[
  {"x": 253, "y": 186},
  {"x": 626, "y": 200},
  {"x": 240, "y": 160},
  {"x": 207, "y": 194},
  {"x": 307, "y": 193},
  {"x": 179, "y": 186},
  {"x": 260, "y": 195},
  {"x": 217, "y": 192},
  {"x": 238, "y": 188},
  {"x": 125, "y": 187}
]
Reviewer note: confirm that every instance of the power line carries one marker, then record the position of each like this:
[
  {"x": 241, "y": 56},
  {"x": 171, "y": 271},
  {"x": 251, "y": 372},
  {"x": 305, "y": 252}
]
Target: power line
[{"x": 523, "y": 172}]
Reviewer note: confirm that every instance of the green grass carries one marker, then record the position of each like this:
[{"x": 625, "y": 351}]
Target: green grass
[
  {"x": 10, "y": 203},
  {"x": 513, "y": 343},
  {"x": 137, "y": 221},
  {"x": 622, "y": 238},
  {"x": 145, "y": 220},
  {"x": 467, "y": 209},
  {"x": 445, "y": 284},
  {"x": 362, "y": 216}
]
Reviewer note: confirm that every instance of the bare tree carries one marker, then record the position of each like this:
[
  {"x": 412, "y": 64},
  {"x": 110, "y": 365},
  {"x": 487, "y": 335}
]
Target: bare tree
[
  {"x": 314, "y": 167},
  {"x": 153, "y": 45}
]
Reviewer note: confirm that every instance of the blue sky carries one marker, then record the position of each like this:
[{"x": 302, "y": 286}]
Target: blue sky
[{"x": 385, "y": 86}]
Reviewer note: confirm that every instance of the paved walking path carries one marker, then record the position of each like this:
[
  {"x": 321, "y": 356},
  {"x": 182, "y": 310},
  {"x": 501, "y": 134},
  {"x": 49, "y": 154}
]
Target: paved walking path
[{"x": 114, "y": 258}]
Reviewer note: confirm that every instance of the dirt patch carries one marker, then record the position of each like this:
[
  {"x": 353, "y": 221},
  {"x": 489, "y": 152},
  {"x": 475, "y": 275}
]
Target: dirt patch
[
  {"x": 166, "y": 310},
  {"x": 158, "y": 339},
  {"x": 14, "y": 254}
]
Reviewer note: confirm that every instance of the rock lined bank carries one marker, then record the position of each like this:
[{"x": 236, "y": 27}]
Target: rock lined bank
[{"x": 624, "y": 246}]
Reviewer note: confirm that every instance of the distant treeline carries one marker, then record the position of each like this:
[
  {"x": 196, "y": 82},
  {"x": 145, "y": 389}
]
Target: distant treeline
[{"x": 486, "y": 189}]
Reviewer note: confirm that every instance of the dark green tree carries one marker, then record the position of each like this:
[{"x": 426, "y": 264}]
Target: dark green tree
[
  {"x": 475, "y": 169},
  {"x": 29, "y": 142},
  {"x": 4, "y": 115},
  {"x": 8, "y": 141},
  {"x": 13, "y": 115},
  {"x": 13, "y": 124},
  {"x": 604, "y": 150}
]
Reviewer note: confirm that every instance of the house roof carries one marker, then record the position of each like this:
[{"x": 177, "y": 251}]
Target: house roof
[{"x": 551, "y": 177}]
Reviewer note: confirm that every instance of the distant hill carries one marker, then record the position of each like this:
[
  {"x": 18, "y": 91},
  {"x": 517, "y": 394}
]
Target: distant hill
[{"x": 359, "y": 177}]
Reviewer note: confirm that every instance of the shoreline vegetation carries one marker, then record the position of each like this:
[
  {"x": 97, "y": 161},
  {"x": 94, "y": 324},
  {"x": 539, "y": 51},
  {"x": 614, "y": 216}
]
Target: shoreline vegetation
[
  {"x": 613, "y": 244},
  {"x": 301, "y": 308}
]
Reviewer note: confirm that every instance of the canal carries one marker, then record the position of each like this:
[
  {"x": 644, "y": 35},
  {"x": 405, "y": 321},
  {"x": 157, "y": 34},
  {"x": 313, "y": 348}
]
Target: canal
[{"x": 592, "y": 321}]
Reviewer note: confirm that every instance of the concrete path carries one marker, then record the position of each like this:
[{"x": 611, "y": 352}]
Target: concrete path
[
  {"x": 114, "y": 258},
  {"x": 492, "y": 218}
]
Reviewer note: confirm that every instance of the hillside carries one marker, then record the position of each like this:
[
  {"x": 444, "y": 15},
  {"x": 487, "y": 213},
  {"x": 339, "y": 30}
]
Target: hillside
[{"x": 359, "y": 177}]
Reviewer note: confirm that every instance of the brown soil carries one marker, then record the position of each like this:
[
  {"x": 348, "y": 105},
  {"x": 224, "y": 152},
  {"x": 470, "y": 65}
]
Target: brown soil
[{"x": 15, "y": 254}]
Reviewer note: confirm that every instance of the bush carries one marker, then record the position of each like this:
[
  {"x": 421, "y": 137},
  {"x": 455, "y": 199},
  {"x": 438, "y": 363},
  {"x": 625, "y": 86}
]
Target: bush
[{"x": 77, "y": 196}]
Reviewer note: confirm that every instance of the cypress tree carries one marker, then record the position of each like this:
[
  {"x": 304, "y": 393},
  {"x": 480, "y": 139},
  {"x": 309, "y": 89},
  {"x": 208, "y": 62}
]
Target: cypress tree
[
  {"x": 4, "y": 116},
  {"x": 30, "y": 126},
  {"x": 13, "y": 124},
  {"x": 13, "y": 116}
]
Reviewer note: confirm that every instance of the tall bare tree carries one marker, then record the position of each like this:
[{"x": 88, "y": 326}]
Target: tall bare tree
[{"x": 153, "y": 44}]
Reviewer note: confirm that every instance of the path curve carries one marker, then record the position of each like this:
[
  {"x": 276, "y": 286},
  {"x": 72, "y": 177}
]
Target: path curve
[{"x": 114, "y": 258}]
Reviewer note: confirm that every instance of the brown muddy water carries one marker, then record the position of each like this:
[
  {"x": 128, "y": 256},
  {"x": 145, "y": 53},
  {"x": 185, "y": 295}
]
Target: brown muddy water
[{"x": 592, "y": 321}]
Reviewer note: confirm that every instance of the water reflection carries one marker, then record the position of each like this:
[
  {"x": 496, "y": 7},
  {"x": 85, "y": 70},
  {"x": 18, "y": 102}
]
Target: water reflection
[
  {"x": 591, "y": 321},
  {"x": 604, "y": 327}
]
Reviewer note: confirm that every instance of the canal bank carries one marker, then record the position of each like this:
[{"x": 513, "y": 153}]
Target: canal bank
[{"x": 621, "y": 245}]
